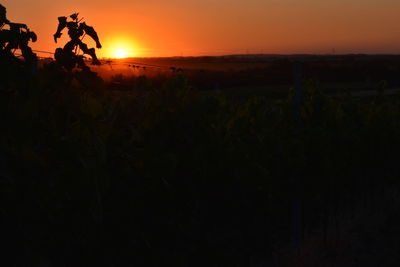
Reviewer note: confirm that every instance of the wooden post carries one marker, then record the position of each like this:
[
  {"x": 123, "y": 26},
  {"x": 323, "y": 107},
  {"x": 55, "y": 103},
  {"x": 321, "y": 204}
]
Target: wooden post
[
  {"x": 297, "y": 183},
  {"x": 298, "y": 77}
]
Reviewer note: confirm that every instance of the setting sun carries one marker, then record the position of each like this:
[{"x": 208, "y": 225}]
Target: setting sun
[
  {"x": 119, "y": 47},
  {"x": 120, "y": 53}
]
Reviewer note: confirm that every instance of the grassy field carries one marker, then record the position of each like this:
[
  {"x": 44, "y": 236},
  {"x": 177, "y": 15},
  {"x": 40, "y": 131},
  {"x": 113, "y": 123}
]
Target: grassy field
[{"x": 332, "y": 74}]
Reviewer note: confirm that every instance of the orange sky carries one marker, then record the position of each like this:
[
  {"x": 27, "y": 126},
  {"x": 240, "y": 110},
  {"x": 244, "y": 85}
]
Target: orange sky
[{"x": 217, "y": 27}]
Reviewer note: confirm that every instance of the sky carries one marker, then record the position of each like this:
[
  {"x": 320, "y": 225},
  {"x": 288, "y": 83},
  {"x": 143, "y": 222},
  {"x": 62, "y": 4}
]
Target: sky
[{"x": 219, "y": 27}]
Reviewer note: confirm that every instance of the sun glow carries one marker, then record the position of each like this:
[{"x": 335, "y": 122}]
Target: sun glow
[
  {"x": 120, "y": 53},
  {"x": 120, "y": 47}
]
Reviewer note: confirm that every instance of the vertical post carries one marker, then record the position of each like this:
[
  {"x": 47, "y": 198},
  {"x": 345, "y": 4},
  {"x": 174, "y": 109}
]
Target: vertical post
[
  {"x": 297, "y": 182},
  {"x": 297, "y": 78}
]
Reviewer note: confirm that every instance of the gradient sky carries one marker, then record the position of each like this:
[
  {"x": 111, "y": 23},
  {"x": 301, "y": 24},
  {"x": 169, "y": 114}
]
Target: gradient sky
[{"x": 216, "y": 27}]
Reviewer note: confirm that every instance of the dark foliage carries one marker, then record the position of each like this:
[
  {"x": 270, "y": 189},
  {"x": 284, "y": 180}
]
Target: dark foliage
[{"x": 166, "y": 175}]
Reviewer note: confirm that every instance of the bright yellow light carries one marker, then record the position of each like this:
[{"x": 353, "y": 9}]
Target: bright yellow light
[
  {"x": 118, "y": 46},
  {"x": 120, "y": 53}
]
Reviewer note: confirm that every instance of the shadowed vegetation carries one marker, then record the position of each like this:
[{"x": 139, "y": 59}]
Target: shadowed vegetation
[{"x": 164, "y": 174}]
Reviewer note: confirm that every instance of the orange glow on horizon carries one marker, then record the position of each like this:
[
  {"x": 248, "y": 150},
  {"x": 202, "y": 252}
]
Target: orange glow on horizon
[{"x": 196, "y": 28}]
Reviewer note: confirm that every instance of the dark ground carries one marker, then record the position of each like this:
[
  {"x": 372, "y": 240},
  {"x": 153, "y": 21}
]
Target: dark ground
[{"x": 207, "y": 167}]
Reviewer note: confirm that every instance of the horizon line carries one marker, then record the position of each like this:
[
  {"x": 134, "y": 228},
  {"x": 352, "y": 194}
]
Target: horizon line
[{"x": 260, "y": 54}]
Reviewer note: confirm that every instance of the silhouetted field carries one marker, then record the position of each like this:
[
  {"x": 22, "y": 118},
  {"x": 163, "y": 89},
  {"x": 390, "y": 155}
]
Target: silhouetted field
[
  {"x": 171, "y": 169},
  {"x": 270, "y": 74}
]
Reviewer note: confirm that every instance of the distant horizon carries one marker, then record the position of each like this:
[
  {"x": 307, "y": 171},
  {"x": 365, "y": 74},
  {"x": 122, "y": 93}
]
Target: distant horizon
[
  {"x": 158, "y": 28},
  {"x": 266, "y": 55},
  {"x": 242, "y": 55}
]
